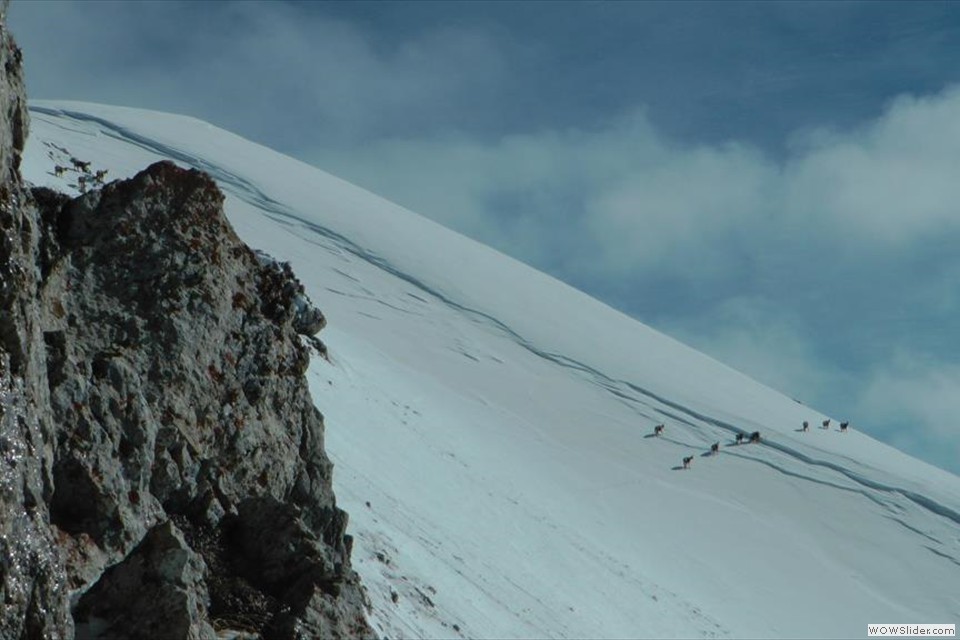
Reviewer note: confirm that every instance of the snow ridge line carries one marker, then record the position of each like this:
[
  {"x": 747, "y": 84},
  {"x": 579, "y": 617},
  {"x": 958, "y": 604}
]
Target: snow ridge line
[
  {"x": 921, "y": 500},
  {"x": 285, "y": 215}
]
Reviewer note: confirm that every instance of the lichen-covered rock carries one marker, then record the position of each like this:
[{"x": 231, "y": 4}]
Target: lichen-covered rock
[{"x": 155, "y": 424}]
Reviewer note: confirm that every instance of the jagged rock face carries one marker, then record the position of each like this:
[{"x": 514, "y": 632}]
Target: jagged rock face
[
  {"x": 14, "y": 120},
  {"x": 161, "y": 461},
  {"x": 33, "y": 592}
]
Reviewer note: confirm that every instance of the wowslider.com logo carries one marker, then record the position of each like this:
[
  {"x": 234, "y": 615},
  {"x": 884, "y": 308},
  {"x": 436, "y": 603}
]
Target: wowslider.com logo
[{"x": 911, "y": 630}]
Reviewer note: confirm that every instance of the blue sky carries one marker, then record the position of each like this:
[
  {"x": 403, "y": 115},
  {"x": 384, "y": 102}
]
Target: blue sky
[{"x": 775, "y": 184}]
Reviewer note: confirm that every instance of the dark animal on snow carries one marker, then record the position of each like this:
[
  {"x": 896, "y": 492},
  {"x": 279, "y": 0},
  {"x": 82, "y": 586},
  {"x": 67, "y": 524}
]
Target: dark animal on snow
[
  {"x": 58, "y": 170},
  {"x": 755, "y": 436},
  {"x": 687, "y": 461},
  {"x": 826, "y": 424},
  {"x": 657, "y": 430},
  {"x": 715, "y": 447},
  {"x": 739, "y": 438},
  {"x": 806, "y": 426},
  {"x": 844, "y": 425},
  {"x": 99, "y": 176},
  {"x": 80, "y": 165}
]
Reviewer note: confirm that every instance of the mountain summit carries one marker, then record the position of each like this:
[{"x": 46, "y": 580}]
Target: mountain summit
[{"x": 493, "y": 432}]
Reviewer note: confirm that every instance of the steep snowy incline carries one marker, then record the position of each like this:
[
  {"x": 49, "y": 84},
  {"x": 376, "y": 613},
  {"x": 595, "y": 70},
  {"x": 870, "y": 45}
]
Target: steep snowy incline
[{"x": 492, "y": 433}]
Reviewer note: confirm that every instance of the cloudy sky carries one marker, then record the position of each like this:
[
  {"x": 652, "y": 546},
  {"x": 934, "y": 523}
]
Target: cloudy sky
[{"x": 775, "y": 184}]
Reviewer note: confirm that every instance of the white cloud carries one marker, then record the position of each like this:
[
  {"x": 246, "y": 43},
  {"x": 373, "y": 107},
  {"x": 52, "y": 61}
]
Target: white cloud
[
  {"x": 892, "y": 181},
  {"x": 918, "y": 392},
  {"x": 612, "y": 201},
  {"x": 761, "y": 339},
  {"x": 636, "y": 203},
  {"x": 913, "y": 401},
  {"x": 686, "y": 213},
  {"x": 269, "y": 70}
]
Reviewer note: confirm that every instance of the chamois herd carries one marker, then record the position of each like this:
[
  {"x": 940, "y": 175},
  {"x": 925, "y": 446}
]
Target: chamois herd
[
  {"x": 85, "y": 177},
  {"x": 753, "y": 437}
]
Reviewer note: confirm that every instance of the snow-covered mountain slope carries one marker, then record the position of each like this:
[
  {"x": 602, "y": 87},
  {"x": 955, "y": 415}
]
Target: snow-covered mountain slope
[{"x": 492, "y": 433}]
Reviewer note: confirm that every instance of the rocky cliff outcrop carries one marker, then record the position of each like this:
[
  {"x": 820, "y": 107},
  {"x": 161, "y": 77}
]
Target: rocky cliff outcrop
[{"x": 162, "y": 471}]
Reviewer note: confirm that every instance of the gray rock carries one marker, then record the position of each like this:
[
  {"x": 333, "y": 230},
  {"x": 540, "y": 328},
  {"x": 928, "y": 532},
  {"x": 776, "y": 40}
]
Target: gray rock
[
  {"x": 14, "y": 118},
  {"x": 289, "y": 294},
  {"x": 34, "y": 594},
  {"x": 156, "y": 591},
  {"x": 155, "y": 425}
]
